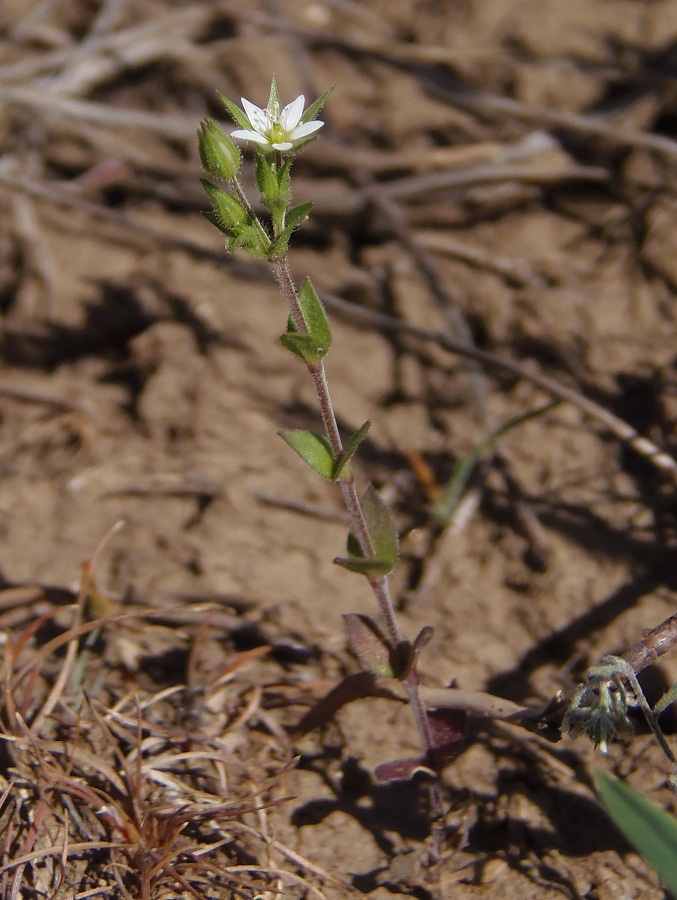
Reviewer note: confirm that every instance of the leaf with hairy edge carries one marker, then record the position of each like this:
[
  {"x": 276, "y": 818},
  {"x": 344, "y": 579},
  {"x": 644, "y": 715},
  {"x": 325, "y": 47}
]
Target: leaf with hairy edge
[
  {"x": 296, "y": 215},
  {"x": 353, "y": 442},
  {"x": 314, "y": 315},
  {"x": 313, "y": 449},
  {"x": 383, "y": 536},
  {"x": 369, "y": 645},
  {"x": 380, "y": 524},
  {"x": 371, "y": 568},
  {"x": 314, "y": 343},
  {"x": 304, "y": 345}
]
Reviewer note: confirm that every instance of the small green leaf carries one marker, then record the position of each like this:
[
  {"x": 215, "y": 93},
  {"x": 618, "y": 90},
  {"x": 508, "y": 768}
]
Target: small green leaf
[
  {"x": 314, "y": 315},
  {"x": 304, "y": 345},
  {"x": 353, "y": 442},
  {"x": 312, "y": 448},
  {"x": 369, "y": 645},
  {"x": 254, "y": 240},
  {"x": 211, "y": 216},
  {"x": 238, "y": 115},
  {"x": 372, "y": 568},
  {"x": 383, "y": 534},
  {"x": 650, "y": 829},
  {"x": 407, "y": 654},
  {"x": 313, "y": 344},
  {"x": 381, "y": 526},
  {"x": 296, "y": 215}
]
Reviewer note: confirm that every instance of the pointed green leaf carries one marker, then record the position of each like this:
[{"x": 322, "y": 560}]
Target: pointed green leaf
[
  {"x": 253, "y": 239},
  {"x": 372, "y": 568},
  {"x": 314, "y": 109},
  {"x": 381, "y": 526},
  {"x": 238, "y": 115},
  {"x": 314, "y": 343},
  {"x": 306, "y": 346},
  {"x": 312, "y": 448},
  {"x": 369, "y": 645},
  {"x": 296, "y": 215},
  {"x": 383, "y": 536},
  {"x": 408, "y": 653},
  {"x": 314, "y": 315},
  {"x": 650, "y": 829},
  {"x": 353, "y": 442},
  {"x": 211, "y": 216}
]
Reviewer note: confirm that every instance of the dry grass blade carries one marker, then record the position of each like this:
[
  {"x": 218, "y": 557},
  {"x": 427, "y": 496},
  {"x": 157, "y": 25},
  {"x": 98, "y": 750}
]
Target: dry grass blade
[{"x": 158, "y": 805}]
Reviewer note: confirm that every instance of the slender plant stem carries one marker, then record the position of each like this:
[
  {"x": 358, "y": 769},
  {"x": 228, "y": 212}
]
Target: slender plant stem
[{"x": 379, "y": 585}]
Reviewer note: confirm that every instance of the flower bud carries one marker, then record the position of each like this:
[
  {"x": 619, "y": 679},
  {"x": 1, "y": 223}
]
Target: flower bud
[{"x": 218, "y": 152}]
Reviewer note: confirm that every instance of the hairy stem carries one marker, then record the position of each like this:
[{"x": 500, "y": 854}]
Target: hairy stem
[{"x": 379, "y": 585}]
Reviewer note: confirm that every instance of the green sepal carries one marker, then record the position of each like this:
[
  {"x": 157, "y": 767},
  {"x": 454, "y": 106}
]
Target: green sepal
[
  {"x": 218, "y": 152},
  {"x": 650, "y": 829},
  {"x": 238, "y": 115},
  {"x": 343, "y": 463},
  {"x": 383, "y": 534},
  {"x": 267, "y": 180},
  {"x": 284, "y": 182},
  {"x": 313, "y": 449},
  {"x": 273, "y": 97},
  {"x": 314, "y": 109}
]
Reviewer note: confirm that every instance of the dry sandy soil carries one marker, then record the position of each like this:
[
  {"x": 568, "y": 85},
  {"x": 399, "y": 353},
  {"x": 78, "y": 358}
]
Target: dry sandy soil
[{"x": 501, "y": 172}]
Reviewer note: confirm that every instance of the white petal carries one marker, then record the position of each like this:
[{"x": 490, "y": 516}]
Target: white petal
[
  {"x": 291, "y": 114},
  {"x": 257, "y": 116},
  {"x": 286, "y": 145},
  {"x": 304, "y": 130},
  {"x": 242, "y": 135}
]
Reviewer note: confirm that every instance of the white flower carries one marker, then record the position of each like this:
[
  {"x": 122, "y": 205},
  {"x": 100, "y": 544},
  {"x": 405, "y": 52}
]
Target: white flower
[{"x": 273, "y": 129}]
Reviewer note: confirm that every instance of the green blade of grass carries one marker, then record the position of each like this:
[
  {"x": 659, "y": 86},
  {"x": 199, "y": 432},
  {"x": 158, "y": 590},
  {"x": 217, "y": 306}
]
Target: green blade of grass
[
  {"x": 650, "y": 829},
  {"x": 444, "y": 509}
]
